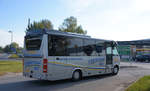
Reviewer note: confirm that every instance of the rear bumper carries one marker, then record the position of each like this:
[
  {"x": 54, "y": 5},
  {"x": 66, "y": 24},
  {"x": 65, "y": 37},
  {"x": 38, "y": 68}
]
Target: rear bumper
[{"x": 40, "y": 76}]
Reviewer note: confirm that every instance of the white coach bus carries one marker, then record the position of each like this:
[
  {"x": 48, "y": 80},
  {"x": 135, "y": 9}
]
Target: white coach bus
[{"x": 55, "y": 55}]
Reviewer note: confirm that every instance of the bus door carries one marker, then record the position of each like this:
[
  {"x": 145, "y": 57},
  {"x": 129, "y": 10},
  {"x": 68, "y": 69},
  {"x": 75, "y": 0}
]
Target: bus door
[{"x": 109, "y": 56}]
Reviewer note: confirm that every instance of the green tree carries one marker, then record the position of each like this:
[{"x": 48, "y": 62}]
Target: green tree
[
  {"x": 1, "y": 49},
  {"x": 70, "y": 25},
  {"x": 19, "y": 50},
  {"x": 7, "y": 49},
  {"x": 43, "y": 24},
  {"x": 14, "y": 47}
]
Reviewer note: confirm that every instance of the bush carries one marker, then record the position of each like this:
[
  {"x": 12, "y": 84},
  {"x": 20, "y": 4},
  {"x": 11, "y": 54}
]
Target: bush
[{"x": 14, "y": 56}]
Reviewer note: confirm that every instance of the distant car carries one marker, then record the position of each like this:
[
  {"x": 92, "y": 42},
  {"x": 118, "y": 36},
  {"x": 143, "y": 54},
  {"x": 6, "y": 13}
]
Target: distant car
[{"x": 143, "y": 58}]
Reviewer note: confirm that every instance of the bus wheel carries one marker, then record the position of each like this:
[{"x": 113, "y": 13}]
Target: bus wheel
[
  {"x": 77, "y": 75},
  {"x": 115, "y": 70},
  {"x": 146, "y": 61}
]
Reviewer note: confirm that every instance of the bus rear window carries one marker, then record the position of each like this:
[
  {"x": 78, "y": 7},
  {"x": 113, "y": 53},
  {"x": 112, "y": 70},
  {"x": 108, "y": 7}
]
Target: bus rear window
[{"x": 33, "y": 43}]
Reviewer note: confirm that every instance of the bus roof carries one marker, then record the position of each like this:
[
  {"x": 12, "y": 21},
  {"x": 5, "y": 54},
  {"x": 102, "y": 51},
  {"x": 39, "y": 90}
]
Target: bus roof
[{"x": 56, "y": 32}]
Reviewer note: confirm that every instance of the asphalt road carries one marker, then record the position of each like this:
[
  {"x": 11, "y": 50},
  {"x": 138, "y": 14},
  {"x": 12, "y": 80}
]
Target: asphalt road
[
  {"x": 10, "y": 59},
  {"x": 97, "y": 83},
  {"x": 5, "y": 57}
]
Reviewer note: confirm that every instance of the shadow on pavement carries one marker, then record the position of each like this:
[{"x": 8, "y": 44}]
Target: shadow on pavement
[{"x": 41, "y": 85}]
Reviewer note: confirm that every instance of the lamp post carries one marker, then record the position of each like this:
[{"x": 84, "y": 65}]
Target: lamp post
[{"x": 11, "y": 37}]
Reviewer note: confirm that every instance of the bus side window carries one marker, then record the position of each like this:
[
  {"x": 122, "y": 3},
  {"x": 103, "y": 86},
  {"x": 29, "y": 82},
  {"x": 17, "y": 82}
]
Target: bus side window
[
  {"x": 51, "y": 45},
  {"x": 99, "y": 48},
  {"x": 88, "y": 47},
  {"x": 115, "y": 52},
  {"x": 79, "y": 47},
  {"x": 74, "y": 47},
  {"x": 109, "y": 50},
  {"x": 57, "y": 46}
]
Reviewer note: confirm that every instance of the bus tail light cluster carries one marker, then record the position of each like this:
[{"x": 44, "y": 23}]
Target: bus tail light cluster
[
  {"x": 45, "y": 61},
  {"x": 23, "y": 64}
]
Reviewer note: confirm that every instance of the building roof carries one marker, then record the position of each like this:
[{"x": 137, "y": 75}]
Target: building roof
[{"x": 135, "y": 42}]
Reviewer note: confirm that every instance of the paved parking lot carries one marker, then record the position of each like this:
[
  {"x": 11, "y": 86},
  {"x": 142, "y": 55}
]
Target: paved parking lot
[{"x": 119, "y": 82}]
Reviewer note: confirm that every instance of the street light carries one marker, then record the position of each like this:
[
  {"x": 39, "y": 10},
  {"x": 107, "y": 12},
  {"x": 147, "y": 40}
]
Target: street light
[{"x": 11, "y": 37}]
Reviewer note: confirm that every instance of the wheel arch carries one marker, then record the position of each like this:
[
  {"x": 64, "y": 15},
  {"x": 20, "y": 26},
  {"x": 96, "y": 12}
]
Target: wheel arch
[
  {"x": 78, "y": 69},
  {"x": 117, "y": 66}
]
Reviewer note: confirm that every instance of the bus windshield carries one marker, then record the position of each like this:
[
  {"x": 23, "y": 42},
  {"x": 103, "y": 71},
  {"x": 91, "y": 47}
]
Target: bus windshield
[{"x": 33, "y": 42}]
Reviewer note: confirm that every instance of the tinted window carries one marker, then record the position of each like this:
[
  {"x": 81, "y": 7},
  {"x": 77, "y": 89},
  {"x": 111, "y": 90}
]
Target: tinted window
[
  {"x": 89, "y": 47},
  {"x": 33, "y": 42},
  {"x": 99, "y": 48},
  {"x": 74, "y": 46},
  {"x": 57, "y": 45}
]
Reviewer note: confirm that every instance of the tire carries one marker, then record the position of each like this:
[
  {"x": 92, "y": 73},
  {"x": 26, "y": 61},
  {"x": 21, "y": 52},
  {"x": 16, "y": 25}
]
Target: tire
[
  {"x": 146, "y": 60},
  {"x": 115, "y": 70},
  {"x": 76, "y": 76}
]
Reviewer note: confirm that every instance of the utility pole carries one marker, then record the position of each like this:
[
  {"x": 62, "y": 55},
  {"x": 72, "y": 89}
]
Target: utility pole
[{"x": 28, "y": 21}]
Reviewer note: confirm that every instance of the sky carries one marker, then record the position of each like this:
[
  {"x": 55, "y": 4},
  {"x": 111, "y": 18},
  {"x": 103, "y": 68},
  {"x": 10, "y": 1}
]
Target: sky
[{"x": 105, "y": 19}]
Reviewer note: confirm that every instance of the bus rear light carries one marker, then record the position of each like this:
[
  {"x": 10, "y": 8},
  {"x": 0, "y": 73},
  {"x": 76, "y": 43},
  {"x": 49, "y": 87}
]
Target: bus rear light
[
  {"x": 23, "y": 64},
  {"x": 45, "y": 61}
]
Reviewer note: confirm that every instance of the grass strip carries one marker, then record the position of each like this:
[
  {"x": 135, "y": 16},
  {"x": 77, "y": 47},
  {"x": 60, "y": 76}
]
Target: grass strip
[
  {"x": 10, "y": 66},
  {"x": 143, "y": 84}
]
